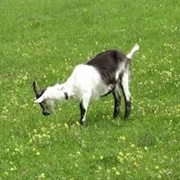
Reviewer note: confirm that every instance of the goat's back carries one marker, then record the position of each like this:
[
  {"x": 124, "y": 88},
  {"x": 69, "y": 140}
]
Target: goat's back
[{"x": 108, "y": 64}]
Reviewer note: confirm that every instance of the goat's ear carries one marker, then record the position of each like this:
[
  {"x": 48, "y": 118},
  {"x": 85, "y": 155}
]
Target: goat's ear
[
  {"x": 39, "y": 100},
  {"x": 36, "y": 88}
]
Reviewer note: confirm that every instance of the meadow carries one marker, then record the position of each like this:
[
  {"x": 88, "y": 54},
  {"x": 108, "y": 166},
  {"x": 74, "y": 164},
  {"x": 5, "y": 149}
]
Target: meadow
[{"x": 44, "y": 40}]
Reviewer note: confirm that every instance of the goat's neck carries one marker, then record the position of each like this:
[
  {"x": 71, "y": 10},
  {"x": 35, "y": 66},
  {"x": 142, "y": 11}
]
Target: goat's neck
[{"x": 64, "y": 90}]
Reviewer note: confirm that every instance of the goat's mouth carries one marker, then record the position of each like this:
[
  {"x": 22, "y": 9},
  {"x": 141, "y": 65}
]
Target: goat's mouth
[
  {"x": 46, "y": 110},
  {"x": 46, "y": 113}
]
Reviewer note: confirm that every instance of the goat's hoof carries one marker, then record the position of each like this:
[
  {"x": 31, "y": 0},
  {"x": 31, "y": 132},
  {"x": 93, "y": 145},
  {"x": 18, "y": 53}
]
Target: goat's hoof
[
  {"x": 81, "y": 123},
  {"x": 126, "y": 118},
  {"x": 115, "y": 116}
]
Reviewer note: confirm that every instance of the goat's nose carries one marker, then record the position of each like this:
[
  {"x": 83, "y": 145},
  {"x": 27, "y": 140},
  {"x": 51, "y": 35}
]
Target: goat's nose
[{"x": 45, "y": 113}]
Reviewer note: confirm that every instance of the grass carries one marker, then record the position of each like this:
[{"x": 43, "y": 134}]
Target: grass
[{"x": 44, "y": 40}]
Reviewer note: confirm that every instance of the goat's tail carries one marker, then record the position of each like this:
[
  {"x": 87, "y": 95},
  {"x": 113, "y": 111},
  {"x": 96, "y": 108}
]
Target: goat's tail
[{"x": 134, "y": 49}]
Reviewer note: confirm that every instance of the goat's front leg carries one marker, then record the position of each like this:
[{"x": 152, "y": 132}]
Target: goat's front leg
[
  {"x": 83, "y": 108},
  {"x": 117, "y": 103},
  {"x": 127, "y": 94}
]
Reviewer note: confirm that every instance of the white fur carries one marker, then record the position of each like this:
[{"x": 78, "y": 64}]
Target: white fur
[
  {"x": 125, "y": 85},
  {"x": 85, "y": 79},
  {"x": 134, "y": 49}
]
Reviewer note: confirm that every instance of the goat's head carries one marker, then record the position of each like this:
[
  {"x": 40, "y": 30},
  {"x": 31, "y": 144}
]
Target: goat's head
[{"x": 42, "y": 99}]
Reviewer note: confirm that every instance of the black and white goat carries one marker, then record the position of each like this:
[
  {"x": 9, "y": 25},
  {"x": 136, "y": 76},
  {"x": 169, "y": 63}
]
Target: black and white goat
[{"x": 106, "y": 73}]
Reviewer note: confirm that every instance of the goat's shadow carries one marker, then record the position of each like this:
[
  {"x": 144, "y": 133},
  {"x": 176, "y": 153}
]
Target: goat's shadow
[
  {"x": 98, "y": 113},
  {"x": 98, "y": 118}
]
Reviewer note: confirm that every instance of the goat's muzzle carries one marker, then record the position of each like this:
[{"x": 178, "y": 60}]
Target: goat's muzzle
[{"x": 45, "y": 113}]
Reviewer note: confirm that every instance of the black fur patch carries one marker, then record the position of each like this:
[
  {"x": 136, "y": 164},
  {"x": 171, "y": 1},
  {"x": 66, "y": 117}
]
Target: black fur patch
[
  {"x": 66, "y": 95},
  {"x": 107, "y": 64},
  {"x": 40, "y": 93}
]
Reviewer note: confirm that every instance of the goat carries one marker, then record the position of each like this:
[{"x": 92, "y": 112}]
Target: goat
[{"x": 106, "y": 73}]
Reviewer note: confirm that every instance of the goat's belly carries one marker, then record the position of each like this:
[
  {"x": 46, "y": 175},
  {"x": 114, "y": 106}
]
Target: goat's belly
[
  {"x": 95, "y": 92},
  {"x": 100, "y": 91}
]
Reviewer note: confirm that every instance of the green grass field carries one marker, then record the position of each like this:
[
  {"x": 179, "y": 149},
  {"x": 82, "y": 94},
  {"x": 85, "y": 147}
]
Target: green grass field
[{"x": 44, "y": 40}]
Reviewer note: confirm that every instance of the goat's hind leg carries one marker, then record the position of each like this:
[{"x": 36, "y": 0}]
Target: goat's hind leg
[
  {"x": 117, "y": 103},
  {"x": 127, "y": 94}
]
